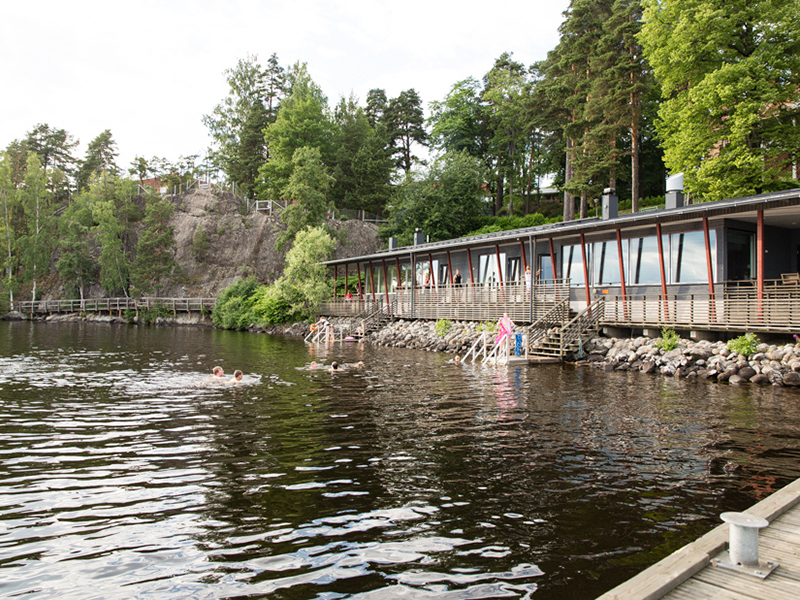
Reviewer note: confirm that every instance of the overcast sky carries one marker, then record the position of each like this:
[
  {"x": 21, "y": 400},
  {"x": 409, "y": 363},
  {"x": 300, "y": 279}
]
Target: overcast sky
[{"x": 149, "y": 70}]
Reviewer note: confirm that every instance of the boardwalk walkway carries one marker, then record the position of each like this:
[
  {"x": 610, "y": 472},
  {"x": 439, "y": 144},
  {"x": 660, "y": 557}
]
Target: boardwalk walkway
[
  {"x": 109, "y": 305},
  {"x": 689, "y": 573}
]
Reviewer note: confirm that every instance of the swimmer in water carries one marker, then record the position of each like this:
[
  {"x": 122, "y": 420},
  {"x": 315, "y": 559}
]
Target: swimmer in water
[
  {"x": 237, "y": 377},
  {"x": 334, "y": 367},
  {"x": 313, "y": 366},
  {"x": 217, "y": 373}
]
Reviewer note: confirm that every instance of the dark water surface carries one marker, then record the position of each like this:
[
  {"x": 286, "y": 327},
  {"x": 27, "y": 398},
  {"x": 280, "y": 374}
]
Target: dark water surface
[{"x": 126, "y": 473}]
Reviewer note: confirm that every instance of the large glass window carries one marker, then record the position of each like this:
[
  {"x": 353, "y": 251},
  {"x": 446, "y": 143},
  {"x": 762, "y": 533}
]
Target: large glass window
[
  {"x": 573, "y": 263},
  {"x": 688, "y": 257},
  {"x": 606, "y": 262},
  {"x": 645, "y": 268},
  {"x": 487, "y": 269},
  {"x": 546, "y": 267}
]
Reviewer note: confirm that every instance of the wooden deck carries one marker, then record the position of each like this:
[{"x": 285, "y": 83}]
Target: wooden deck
[{"x": 689, "y": 574}]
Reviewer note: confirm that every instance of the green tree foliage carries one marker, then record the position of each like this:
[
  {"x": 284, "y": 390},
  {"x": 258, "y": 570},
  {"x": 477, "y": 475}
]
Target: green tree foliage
[
  {"x": 76, "y": 264},
  {"x": 54, "y": 148},
  {"x": 405, "y": 123},
  {"x": 444, "y": 201},
  {"x": 457, "y": 122},
  {"x": 9, "y": 199},
  {"x": 362, "y": 165},
  {"x": 114, "y": 212},
  {"x": 306, "y": 194},
  {"x": 155, "y": 248},
  {"x": 729, "y": 75},
  {"x": 101, "y": 156},
  {"x": 303, "y": 121},
  {"x": 35, "y": 241},
  {"x": 234, "y": 306},
  {"x": 237, "y": 124},
  {"x": 505, "y": 94},
  {"x": 304, "y": 285}
]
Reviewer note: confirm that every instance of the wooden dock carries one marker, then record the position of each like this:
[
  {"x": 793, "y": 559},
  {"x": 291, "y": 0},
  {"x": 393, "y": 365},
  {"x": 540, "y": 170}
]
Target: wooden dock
[{"x": 691, "y": 573}]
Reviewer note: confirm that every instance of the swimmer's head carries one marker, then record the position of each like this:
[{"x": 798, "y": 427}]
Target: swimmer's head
[
  {"x": 334, "y": 366},
  {"x": 237, "y": 375},
  {"x": 218, "y": 372}
]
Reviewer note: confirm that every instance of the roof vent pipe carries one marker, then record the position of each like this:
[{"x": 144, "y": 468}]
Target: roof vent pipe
[
  {"x": 392, "y": 243},
  {"x": 419, "y": 237},
  {"x": 610, "y": 204},
  {"x": 674, "y": 198}
]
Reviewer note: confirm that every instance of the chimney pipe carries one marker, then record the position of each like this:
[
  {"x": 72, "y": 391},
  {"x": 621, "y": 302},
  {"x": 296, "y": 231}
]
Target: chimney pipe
[
  {"x": 610, "y": 204},
  {"x": 674, "y": 197}
]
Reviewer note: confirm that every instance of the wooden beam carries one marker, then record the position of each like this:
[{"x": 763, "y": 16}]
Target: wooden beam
[
  {"x": 710, "y": 268},
  {"x": 664, "y": 306},
  {"x": 585, "y": 271},
  {"x": 386, "y": 285},
  {"x": 622, "y": 273}
]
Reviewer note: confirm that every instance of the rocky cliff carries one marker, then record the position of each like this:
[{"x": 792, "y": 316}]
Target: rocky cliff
[
  {"x": 219, "y": 241},
  {"x": 239, "y": 243}
]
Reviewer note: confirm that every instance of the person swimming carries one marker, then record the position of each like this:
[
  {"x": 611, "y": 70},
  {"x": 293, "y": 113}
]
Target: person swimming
[
  {"x": 237, "y": 377},
  {"x": 217, "y": 373},
  {"x": 335, "y": 367}
]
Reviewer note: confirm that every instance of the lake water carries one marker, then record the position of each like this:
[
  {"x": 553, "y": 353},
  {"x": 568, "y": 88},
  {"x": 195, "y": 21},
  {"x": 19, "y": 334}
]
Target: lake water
[{"x": 126, "y": 473}]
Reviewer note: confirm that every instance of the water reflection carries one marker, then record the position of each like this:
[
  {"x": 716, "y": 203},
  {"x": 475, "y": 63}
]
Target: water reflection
[{"x": 127, "y": 472}]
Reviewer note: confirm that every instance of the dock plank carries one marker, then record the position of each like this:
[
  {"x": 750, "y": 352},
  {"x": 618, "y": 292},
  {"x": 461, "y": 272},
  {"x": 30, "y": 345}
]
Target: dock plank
[{"x": 688, "y": 573}]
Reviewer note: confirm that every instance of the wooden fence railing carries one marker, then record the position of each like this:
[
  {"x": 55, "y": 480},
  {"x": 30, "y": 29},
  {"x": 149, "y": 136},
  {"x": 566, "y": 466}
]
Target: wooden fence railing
[
  {"x": 461, "y": 303},
  {"x": 175, "y": 305},
  {"x": 736, "y": 311}
]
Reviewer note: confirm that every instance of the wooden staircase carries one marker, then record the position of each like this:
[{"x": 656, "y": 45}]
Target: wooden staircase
[
  {"x": 561, "y": 332},
  {"x": 373, "y": 319}
]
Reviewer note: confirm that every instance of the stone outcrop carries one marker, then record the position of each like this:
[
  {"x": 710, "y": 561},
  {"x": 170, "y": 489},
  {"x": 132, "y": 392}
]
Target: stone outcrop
[
  {"x": 770, "y": 365},
  {"x": 238, "y": 242}
]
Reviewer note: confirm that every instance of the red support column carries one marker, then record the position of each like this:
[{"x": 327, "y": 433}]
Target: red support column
[
  {"x": 585, "y": 271},
  {"x": 371, "y": 282},
  {"x": 622, "y": 275},
  {"x": 665, "y": 307},
  {"x": 524, "y": 257},
  {"x": 553, "y": 258},
  {"x": 499, "y": 273},
  {"x": 471, "y": 278},
  {"x": 360, "y": 287},
  {"x": 385, "y": 285},
  {"x": 707, "y": 236},
  {"x": 449, "y": 268},
  {"x": 760, "y": 263}
]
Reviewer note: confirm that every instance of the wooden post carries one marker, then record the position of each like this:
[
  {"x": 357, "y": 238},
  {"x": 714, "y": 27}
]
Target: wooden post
[
  {"x": 585, "y": 271},
  {"x": 622, "y": 274},
  {"x": 760, "y": 263},
  {"x": 335, "y": 279},
  {"x": 499, "y": 272},
  {"x": 664, "y": 305},
  {"x": 386, "y": 286},
  {"x": 371, "y": 282},
  {"x": 707, "y": 235},
  {"x": 449, "y": 268},
  {"x": 471, "y": 278},
  {"x": 360, "y": 287}
]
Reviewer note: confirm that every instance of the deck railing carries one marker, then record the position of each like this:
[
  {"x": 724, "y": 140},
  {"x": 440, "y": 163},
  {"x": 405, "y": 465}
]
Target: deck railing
[
  {"x": 778, "y": 311},
  {"x": 175, "y": 305},
  {"x": 461, "y": 303}
]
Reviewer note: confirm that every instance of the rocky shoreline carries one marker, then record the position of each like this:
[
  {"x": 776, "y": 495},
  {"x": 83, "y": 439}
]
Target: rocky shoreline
[{"x": 771, "y": 364}]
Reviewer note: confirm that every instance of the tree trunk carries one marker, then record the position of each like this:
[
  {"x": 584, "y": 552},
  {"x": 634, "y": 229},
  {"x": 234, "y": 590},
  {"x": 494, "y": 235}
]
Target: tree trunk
[
  {"x": 569, "y": 202},
  {"x": 584, "y": 205}
]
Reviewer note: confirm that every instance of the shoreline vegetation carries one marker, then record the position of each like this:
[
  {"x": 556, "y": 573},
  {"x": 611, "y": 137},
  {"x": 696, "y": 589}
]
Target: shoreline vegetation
[{"x": 739, "y": 361}]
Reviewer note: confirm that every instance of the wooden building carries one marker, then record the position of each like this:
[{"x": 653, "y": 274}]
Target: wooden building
[{"x": 726, "y": 267}]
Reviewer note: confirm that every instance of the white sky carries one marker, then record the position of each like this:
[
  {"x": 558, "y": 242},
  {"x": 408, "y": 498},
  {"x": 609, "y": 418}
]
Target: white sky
[{"x": 149, "y": 69}]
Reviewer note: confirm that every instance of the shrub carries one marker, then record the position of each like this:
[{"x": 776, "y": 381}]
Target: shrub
[
  {"x": 233, "y": 309},
  {"x": 271, "y": 308},
  {"x": 669, "y": 339},
  {"x": 745, "y": 345},
  {"x": 442, "y": 327},
  {"x": 489, "y": 326}
]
